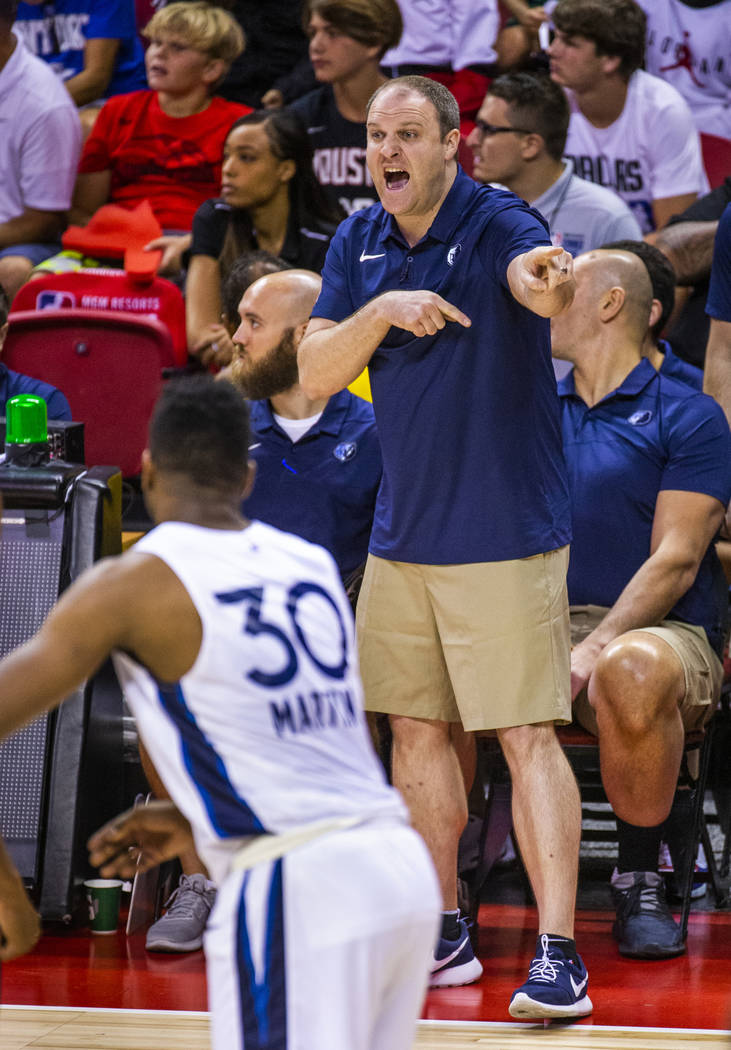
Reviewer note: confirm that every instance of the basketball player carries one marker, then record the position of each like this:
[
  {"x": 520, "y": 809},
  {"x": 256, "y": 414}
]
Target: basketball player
[{"x": 234, "y": 644}]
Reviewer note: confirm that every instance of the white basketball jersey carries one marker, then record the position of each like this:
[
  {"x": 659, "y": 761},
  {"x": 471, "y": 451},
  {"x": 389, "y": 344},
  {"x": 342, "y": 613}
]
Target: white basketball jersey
[
  {"x": 690, "y": 47},
  {"x": 651, "y": 151},
  {"x": 266, "y": 732}
]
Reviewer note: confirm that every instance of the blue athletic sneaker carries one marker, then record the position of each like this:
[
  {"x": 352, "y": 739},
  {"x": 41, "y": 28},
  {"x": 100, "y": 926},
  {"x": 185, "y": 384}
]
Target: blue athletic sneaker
[
  {"x": 454, "y": 961},
  {"x": 556, "y": 986}
]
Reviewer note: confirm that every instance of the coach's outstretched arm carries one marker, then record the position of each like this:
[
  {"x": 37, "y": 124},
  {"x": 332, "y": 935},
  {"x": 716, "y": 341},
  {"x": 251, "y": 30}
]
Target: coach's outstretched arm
[
  {"x": 543, "y": 280},
  {"x": 331, "y": 355}
]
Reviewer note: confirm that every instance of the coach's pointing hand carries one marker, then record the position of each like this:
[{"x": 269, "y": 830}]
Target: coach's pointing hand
[{"x": 419, "y": 312}]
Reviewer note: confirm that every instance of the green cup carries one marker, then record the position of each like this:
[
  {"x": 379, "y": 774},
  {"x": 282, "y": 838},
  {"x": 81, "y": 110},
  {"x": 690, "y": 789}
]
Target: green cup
[{"x": 103, "y": 896}]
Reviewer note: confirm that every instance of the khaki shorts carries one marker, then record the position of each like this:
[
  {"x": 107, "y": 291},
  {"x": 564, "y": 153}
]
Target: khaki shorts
[
  {"x": 702, "y": 669},
  {"x": 485, "y": 644}
]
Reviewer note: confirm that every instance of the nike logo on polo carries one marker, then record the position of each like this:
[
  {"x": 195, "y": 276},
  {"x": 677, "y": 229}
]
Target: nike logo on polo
[
  {"x": 442, "y": 963},
  {"x": 578, "y": 988},
  {"x": 314, "y": 131},
  {"x": 364, "y": 257}
]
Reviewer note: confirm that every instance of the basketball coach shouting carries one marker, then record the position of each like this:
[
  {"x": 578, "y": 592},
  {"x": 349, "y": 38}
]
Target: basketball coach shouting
[{"x": 444, "y": 290}]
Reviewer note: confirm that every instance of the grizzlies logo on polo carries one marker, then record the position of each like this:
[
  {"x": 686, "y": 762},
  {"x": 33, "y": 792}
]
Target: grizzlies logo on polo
[
  {"x": 639, "y": 419},
  {"x": 453, "y": 253},
  {"x": 345, "y": 451}
]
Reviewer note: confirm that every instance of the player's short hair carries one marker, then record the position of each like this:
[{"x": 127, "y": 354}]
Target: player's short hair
[
  {"x": 661, "y": 272},
  {"x": 616, "y": 28},
  {"x": 4, "y": 306},
  {"x": 200, "y": 428},
  {"x": 202, "y": 26},
  {"x": 8, "y": 11},
  {"x": 538, "y": 103},
  {"x": 440, "y": 97},
  {"x": 373, "y": 23},
  {"x": 248, "y": 268}
]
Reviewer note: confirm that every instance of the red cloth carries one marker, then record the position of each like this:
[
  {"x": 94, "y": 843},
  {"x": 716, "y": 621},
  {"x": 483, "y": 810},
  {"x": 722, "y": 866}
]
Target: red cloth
[{"x": 174, "y": 162}]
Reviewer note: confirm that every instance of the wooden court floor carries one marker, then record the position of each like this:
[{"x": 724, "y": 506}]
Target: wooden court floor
[{"x": 63, "y": 1028}]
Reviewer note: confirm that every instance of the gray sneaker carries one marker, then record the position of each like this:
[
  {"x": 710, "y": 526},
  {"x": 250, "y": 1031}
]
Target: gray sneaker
[
  {"x": 181, "y": 927},
  {"x": 644, "y": 925}
]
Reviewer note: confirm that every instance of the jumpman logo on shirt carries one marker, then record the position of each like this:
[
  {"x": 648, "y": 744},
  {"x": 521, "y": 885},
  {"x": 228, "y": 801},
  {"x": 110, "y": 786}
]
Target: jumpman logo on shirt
[{"x": 684, "y": 59}]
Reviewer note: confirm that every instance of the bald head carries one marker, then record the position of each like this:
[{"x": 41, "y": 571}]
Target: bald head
[
  {"x": 291, "y": 294},
  {"x": 611, "y": 308},
  {"x": 606, "y": 269},
  {"x": 273, "y": 314}
]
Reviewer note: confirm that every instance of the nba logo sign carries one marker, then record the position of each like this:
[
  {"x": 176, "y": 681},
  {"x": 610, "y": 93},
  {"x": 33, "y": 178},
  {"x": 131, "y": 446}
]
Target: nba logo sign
[{"x": 49, "y": 300}]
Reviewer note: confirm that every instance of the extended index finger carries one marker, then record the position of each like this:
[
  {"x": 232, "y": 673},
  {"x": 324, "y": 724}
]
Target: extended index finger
[{"x": 451, "y": 312}]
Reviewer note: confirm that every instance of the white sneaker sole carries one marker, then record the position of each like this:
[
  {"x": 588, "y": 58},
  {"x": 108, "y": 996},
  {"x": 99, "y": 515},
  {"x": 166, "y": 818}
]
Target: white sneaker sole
[
  {"x": 522, "y": 1007},
  {"x": 453, "y": 976}
]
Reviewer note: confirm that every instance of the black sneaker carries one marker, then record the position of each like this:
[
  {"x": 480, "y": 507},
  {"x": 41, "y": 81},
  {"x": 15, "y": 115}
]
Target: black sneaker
[
  {"x": 644, "y": 927},
  {"x": 556, "y": 986}
]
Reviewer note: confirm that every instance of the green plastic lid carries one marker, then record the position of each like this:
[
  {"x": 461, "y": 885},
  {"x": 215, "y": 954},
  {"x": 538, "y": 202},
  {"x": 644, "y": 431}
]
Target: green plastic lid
[{"x": 26, "y": 420}]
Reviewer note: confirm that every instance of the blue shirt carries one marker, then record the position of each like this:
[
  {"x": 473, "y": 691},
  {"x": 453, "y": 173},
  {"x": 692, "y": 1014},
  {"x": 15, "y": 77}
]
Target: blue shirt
[
  {"x": 468, "y": 418},
  {"x": 59, "y": 37},
  {"x": 12, "y": 383},
  {"x": 650, "y": 434},
  {"x": 322, "y": 487},
  {"x": 718, "y": 304},
  {"x": 675, "y": 367}
]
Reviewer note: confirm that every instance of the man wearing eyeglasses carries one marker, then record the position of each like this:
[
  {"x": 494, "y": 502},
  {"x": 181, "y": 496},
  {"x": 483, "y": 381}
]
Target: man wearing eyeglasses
[
  {"x": 444, "y": 289},
  {"x": 518, "y": 141}
]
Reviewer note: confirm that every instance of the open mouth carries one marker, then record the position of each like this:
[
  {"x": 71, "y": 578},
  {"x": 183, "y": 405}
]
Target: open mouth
[{"x": 396, "y": 178}]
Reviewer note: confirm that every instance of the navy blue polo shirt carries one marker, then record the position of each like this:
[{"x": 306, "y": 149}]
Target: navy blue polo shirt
[
  {"x": 12, "y": 383},
  {"x": 718, "y": 304},
  {"x": 676, "y": 368},
  {"x": 322, "y": 487},
  {"x": 651, "y": 433},
  {"x": 468, "y": 419}
]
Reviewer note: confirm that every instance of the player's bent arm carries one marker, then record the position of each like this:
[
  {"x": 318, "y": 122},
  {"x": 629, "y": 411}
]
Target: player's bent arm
[
  {"x": 20, "y": 925},
  {"x": 543, "y": 280},
  {"x": 331, "y": 355},
  {"x": 119, "y": 603}
]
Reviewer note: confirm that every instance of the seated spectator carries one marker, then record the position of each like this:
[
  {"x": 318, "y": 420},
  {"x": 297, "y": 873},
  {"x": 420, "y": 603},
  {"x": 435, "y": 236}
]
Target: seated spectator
[
  {"x": 518, "y": 142},
  {"x": 348, "y": 39},
  {"x": 275, "y": 59},
  {"x": 662, "y": 278},
  {"x": 596, "y": 54},
  {"x": 688, "y": 44},
  {"x": 318, "y": 468},
  {"x": 92, "y": 45},
  {"x": 649, "y": 463},
  {"x": 39, "y": 150},
  {"x": 269, "y": 199},
  {"x": 12, "y": 383},
  {"x": 451, "y": 42},
  {"x": 165, "y": 144}
]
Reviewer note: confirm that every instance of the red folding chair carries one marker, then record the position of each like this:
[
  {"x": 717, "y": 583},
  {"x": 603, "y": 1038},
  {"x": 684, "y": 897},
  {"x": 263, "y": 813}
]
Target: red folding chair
[
  {"x": 110, "y": 290},
  {"x": 109, "y": 366}
]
